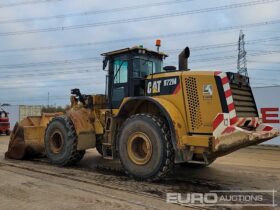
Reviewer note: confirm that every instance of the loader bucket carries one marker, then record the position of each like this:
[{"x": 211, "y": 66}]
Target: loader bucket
[{"x": 27, "y": 137}]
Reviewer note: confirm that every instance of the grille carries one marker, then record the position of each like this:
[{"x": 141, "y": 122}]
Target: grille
[
  {"x": 193, "y": 102},
  {"x": 243, "y": 100}
]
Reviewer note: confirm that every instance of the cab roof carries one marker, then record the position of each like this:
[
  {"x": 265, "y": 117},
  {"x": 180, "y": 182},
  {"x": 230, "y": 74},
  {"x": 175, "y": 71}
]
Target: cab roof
[{"x": 134, "y": 49}]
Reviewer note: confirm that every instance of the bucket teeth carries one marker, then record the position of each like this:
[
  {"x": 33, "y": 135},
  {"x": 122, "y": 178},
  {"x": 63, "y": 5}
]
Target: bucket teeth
[{"x": 17, "y": 146}]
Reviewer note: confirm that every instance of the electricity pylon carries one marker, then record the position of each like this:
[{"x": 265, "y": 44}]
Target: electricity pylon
[{"x": 242, "y": 61}]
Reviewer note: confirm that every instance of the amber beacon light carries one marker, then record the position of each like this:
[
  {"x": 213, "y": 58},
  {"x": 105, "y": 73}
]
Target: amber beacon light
[{"x": 158, "y": 44}]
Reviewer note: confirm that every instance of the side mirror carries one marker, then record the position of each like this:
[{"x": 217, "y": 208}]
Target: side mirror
[{"x": 105, "y": 63}]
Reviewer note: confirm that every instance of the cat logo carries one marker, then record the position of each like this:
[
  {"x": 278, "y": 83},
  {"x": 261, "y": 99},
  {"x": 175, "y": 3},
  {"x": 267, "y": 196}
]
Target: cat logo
[
  {"x": 154, "y": 87},
  {"x": 163, "y": 86},
  {"x": 207, "y": 90}
]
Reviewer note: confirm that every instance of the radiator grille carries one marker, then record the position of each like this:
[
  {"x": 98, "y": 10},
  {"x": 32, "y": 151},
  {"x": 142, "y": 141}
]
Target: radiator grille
[
  {"x": 243, "y": 101},
  {"x": 193, "y": 102}
]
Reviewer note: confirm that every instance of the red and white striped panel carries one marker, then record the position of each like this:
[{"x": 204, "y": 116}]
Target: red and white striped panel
[
  {"x": 264, "y": 127},
  {"x": 220, "y": 123},
  {"x": 228, "y": 95},
  {"x": 254, "y": 121}
]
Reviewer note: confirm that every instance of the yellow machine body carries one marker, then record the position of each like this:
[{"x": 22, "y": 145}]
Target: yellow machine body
[{"x": 209, "y": 113}]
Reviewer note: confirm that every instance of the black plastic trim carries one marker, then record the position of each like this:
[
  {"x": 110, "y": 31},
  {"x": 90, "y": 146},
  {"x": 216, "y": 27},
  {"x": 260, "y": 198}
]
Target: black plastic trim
[{"x": 221, "y": 94}]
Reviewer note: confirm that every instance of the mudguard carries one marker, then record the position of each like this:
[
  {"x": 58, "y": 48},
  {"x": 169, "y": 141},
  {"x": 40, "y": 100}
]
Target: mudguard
[
  {"x": 175, "y": 120},
  {"x": 84, "y": 126}
]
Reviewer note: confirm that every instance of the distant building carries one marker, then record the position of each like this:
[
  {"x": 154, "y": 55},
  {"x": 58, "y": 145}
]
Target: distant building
[{"x": 18, "y": 112}]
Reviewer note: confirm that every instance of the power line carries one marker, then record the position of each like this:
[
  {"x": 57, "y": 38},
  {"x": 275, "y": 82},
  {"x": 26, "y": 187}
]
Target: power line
[
  {"x": 77, "y": 68},
  {"x": 233, "y": 56},
  {"x": 52, "y": 72},
  {"x": 38, "y": 99},
  {"x": 174, "y": 34},
  {"x": 43, "y": 79},
  {"x": 205, "y": 47},
  {"x": 27, "y": 3},
  {"x": 218, "y": 65},
  {"x": 145, "y": 18},
  {"x": 229, "y": 57},
  {"x": 93, "y": 59},
  {"x": 82, "y": 71},
  {"x": 88, "y": 44},
  {"x": 80, "y": 84},
  {"x": 222, "y": 45},
  {"x": 89, "y": 84},
  {"x": 264, "y": 79},
  {"x": 72, "y": 72},
  {"x": 263, "y": 70},
  {"x": 46, "y": 63},
  {"x": 212, "y": 53},
  {"x": 258, "y": 61},
  {"x": 95, "y": 12},
  {"x": 61, "y": 64},
  {"x": 218, "y": 52}
]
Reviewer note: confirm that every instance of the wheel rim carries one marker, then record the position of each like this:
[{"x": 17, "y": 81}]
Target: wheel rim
[
  {"x": 56, "y": 142},
  {"x": 139, "y": 147}
]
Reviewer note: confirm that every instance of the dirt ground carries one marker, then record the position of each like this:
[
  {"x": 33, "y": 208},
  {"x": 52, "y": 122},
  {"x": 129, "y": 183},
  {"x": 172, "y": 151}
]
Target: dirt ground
[{"x": 99, "y": 184}]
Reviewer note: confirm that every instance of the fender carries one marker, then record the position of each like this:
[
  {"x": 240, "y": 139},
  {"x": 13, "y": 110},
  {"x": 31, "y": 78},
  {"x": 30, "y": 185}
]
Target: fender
[
  {"x": 171, "y": 113},
  {"x": 84, "y": 126}
]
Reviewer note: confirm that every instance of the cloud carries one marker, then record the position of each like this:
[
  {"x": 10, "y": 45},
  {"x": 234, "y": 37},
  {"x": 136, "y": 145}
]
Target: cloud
[{"x": 59, "y": 85}]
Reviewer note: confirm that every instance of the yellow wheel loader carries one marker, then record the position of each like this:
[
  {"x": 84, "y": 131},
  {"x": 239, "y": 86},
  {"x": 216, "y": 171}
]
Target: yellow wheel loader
[{"x": 150, "y": 118}]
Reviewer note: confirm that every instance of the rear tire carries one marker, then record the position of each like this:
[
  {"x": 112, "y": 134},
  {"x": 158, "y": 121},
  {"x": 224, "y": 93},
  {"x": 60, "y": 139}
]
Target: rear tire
[
  {"x": 8, "y": 132},
  {"x": 145, "y": 150},
  {"x": 61, "y": 142}
]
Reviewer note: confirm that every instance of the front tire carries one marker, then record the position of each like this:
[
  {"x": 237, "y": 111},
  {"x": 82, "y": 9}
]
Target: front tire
[
  {"x": 145, "y": 150},
  {"x": 61, "y": 142},
  {"x": 99, "y": 144}
]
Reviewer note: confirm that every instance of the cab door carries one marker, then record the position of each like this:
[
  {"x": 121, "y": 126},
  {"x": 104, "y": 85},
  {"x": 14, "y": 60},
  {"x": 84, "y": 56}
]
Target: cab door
[{"x": 119, "y": 82}]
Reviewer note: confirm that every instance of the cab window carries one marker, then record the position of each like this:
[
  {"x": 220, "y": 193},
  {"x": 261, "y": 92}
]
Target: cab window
[
  {"x": 120, "y": 71},
  {"x": 143, "y": 67}
]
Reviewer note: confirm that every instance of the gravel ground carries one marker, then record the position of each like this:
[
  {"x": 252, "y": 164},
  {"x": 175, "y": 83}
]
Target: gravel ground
[{"x": 99, "y": 184}]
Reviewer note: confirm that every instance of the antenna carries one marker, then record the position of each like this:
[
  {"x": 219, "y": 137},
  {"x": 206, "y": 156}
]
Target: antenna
[
  {"x": 48, "y": 99},
  {"x": 242, "y": 61}
]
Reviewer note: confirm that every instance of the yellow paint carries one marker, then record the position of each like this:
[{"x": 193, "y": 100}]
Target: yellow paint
[
  {"x": 197, "y": 140},
  {"x": 192, "y": 110}
]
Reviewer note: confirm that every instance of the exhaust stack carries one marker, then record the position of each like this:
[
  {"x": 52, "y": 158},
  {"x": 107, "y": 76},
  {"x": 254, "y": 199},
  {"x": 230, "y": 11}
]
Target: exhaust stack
[{"x": 183, "y": 59}]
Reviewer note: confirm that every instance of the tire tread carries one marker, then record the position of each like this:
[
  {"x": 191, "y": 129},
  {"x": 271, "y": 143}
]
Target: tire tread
[
  {"x": 168, "y": 164},
  {"x": 76, "y": 155}
]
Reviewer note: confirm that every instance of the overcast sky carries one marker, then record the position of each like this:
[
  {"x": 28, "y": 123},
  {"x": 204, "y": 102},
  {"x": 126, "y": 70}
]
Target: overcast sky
[{"x": 55, "y": 46}]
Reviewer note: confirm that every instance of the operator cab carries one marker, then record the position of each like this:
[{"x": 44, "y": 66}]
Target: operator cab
[{"x": 127, "y": 71}]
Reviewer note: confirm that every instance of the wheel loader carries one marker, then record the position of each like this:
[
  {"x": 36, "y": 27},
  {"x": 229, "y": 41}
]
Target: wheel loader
[{"x": 150, "y": 118}]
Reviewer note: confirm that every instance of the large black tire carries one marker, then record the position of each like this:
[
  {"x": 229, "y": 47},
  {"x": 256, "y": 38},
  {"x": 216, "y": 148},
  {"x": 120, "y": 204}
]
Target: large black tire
[
  {"x": 61, "y": 142},
  {"x": 99, "y": 146},
  {"x": 161, "y": 159}
]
